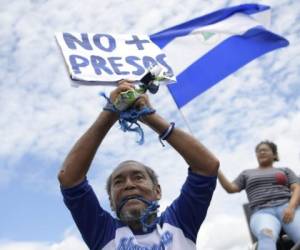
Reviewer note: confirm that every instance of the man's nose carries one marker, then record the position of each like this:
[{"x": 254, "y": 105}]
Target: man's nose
[{"x": 129, "y": 184}]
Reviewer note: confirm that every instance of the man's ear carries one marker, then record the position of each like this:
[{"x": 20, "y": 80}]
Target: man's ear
[{"x": 157, "y": 190}]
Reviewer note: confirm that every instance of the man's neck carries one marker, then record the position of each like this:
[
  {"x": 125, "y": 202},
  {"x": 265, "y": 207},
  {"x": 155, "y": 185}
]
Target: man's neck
[{"x": 137, "y": 226}]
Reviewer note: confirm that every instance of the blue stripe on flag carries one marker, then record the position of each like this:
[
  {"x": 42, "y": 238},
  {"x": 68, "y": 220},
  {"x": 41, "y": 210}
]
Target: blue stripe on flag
[
  {"x": 224, "y": 59},
  {"x": 162, "y": 38}
]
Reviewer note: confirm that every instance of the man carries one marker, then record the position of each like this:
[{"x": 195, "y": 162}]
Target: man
[{"x": 133, "y": 190}]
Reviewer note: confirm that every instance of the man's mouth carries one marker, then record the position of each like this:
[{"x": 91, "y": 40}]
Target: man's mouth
[
  {"x": 132, "y": 202},
  {"x": 128, "y": 199}
]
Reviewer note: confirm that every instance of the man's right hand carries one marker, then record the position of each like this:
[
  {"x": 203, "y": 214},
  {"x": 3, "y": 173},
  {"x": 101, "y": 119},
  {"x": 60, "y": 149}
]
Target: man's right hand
[{"x": 123, "y": 86}]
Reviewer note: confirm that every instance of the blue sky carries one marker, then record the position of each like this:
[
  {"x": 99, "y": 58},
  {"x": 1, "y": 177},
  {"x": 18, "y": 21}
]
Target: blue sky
[{"x": 42, "y": 116}]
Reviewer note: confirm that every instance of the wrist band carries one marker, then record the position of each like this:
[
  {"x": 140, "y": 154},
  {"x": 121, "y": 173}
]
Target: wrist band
[
  {"x": 110, "y": 107},
  {"x": 165, "y": 135}
]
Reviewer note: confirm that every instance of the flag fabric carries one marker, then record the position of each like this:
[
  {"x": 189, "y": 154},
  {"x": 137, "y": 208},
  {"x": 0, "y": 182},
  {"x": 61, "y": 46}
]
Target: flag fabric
[{"x": 207, "y": 49}]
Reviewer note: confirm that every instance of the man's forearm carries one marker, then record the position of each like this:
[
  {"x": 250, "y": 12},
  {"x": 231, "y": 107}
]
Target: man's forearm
[
  {"x": 200, "y": 159},
  {"x": 78, "y": 161}
]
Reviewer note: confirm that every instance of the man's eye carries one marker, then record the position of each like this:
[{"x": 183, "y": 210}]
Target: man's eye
[
  {"x": 139, "y": 177},
  {"x": 117, "y": 182}
]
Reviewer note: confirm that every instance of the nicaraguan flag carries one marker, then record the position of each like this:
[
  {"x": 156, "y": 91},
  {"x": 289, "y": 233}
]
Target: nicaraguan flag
[{"x": 205, "y": 50}]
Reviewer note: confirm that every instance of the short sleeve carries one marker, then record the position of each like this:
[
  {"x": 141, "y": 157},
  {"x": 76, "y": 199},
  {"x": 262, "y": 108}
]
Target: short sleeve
[
  {"x": 292, "y": 177},
  {"x": 240, "y": 181}
]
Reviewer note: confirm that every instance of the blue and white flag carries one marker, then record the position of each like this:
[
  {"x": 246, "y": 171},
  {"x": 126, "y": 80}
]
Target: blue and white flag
[{"x": 207, "y": 49}]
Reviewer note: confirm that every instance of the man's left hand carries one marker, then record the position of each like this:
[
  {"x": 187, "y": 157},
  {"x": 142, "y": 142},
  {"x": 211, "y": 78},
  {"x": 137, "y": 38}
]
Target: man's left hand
[{"x": 142, "y": 102}]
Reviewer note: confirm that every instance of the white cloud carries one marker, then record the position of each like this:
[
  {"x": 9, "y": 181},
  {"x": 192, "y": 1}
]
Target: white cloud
[
  {"x": 224, "y": 232},
  {"x": 66, "y": 244}
]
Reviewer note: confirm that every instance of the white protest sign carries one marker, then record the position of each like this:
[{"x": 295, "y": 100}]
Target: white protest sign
[{"x": 104, "y": 59}]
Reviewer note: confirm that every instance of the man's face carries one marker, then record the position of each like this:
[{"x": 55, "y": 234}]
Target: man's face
[{"x": 131, "y": 179}]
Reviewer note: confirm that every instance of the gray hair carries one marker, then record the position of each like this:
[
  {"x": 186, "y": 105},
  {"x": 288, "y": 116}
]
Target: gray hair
[{"x": 153, "y": 176}]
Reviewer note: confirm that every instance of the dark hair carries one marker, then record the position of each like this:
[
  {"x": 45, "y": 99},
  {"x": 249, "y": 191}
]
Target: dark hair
[
  {"x": 271, "y": 145},
  {"x": 153, "y": 176}
]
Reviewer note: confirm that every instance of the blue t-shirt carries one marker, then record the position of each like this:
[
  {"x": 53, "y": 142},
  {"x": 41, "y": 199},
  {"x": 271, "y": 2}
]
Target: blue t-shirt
[{"x": 177, "y": 226}]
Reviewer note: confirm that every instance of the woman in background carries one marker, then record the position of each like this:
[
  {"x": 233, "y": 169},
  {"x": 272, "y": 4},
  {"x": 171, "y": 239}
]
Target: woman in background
[{"x": 273, "y": 194}]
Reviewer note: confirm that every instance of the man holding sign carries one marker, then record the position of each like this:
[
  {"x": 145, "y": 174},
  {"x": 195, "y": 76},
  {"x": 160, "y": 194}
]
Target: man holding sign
[{"x": 134, "y": 190}]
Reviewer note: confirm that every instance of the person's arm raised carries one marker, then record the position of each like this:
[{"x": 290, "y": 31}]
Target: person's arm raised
[
  {"x": 229, "y": 186},
  {"x": 197, "y": 156},
  {"x": 79, "y": 159}
]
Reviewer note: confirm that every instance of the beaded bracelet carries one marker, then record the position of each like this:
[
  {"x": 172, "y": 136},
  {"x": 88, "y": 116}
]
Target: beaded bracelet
[{"x": 165, "y": 135}]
